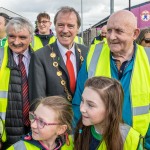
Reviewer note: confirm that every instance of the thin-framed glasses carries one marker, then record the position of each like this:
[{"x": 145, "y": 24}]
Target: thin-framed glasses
[
  {"x": 43, "y": 22},
  {"x": 40, "y": 122}
]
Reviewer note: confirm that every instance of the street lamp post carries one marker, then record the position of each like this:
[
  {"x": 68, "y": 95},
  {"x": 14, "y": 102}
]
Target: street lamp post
[
  {"x": 129, "y": 5},
  {"x": 111, "y": 6}
]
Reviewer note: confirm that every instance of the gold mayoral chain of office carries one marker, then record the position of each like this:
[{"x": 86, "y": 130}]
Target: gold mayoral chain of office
[{"x": 59, "y": 73}]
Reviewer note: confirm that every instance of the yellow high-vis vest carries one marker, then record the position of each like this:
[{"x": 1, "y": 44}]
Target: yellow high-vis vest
[
  {"x": 100, "y": 41},
  {"x": 4, "y": 82},
  {"x": 37, "y": 43},
  {"x": 98, "y": 64},
  {"x": 131, "y": 139},
  {"x": 28, "y": 146},
  {"x": 78, "y": 40}
]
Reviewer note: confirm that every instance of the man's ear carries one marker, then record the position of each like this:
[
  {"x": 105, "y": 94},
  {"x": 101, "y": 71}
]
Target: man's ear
[
  {"x": 62, "y": 129},
  {"x": 136, "y": 33}
]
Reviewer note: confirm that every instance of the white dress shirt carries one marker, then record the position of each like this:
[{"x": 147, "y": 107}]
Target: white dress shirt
[
  {"x": 63, "y": 51},
  {"x": 25, "y": 59}
]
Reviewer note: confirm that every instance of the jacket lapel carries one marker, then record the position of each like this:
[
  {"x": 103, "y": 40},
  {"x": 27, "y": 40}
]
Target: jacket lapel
[
  {"x": 78, "y": 62},
  {"x": 59, "y": 58}
]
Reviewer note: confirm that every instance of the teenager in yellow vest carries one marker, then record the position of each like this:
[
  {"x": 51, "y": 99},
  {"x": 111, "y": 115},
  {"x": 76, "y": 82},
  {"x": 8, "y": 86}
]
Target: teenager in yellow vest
[{"x": 43, "y": 33}]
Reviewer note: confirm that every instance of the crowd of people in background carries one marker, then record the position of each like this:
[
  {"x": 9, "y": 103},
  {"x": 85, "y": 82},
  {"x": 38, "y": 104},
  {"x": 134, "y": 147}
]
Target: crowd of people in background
[{"x": 58, "y": 94}]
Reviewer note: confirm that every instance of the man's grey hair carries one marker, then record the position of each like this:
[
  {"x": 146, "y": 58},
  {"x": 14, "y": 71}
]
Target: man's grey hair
[{"x": 18, "y": 24}]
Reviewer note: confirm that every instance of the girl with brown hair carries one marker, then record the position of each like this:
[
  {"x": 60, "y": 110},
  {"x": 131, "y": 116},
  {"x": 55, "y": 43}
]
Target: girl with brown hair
[
  {"x": 101, "y": 126},
  {"x": 51, "y": 123}
]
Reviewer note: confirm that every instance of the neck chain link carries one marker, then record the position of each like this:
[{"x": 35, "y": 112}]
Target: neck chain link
[{"x": 59, "y": 73}]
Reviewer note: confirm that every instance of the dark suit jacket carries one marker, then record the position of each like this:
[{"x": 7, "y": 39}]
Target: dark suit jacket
[{"x": 43, "y": 80}]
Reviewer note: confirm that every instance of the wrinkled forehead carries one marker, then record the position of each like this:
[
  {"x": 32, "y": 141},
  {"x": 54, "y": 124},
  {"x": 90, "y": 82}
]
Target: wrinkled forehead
[
  {"x": 120, "y": 23},
  {"x": 122, "y": 18}
]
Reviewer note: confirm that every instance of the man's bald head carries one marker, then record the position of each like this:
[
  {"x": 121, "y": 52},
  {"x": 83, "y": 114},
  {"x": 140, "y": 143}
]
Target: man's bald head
[
  {"x": 126, "y": 16},
  {"x": 103, "y": 31},
  {"x": 104, "y": 28}
]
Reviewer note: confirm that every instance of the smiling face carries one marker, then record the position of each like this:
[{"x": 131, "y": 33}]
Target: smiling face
[
  {"x": 66, "y": 28},
  {"x": 44, "y": 25},
  {"x": 48, "y": 132},
  {"x": 20, "y": 40},
  {"x": 92, "y": 108},
  {"x": 121, "y": 32}
]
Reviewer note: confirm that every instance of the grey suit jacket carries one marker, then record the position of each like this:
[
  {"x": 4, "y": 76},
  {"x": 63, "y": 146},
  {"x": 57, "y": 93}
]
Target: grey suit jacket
[{"x": 43, "y": 78}]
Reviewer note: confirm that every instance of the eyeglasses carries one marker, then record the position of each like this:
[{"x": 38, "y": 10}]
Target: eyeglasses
[
  {"x": 40, "y": 122},
  {"x": 146, "y": 40},
  {"x": 43, "y": 22}
]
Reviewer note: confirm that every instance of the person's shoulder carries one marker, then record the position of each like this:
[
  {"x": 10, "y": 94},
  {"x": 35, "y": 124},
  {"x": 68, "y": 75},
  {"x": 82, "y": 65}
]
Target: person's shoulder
[
  {"x": 46, "y": 49},
  {"x": 36, "y": 36},
  {"x": 82, "y": 47},
  {"x": 17, "y": 145}
]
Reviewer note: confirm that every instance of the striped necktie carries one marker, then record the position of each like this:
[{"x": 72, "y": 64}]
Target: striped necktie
[{"x": 25, "y": 94}]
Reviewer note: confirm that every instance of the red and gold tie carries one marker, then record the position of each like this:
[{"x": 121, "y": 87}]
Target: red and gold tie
[
  {"x": 71, "y": 73},
  {"x": 25, "y": 94}
]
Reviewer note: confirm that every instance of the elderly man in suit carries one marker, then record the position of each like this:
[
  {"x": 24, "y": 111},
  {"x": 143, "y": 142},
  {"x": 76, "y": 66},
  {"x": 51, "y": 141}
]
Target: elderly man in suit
[{"x": 54, "y": 68}]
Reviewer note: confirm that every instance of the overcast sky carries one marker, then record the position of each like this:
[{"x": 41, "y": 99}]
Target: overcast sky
[{"x": 93, "y": 10}]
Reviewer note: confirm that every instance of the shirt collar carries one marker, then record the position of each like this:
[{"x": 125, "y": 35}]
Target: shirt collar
[
  {"x": 28, "y": 138},
  {"x": 25, "y": 54},
  {"x": 95, "y": 134},
  {"x": 63, "y": 50}
]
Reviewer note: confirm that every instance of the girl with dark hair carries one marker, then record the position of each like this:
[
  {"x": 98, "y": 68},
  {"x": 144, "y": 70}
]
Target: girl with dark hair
[{"x": 101, "y": 126}]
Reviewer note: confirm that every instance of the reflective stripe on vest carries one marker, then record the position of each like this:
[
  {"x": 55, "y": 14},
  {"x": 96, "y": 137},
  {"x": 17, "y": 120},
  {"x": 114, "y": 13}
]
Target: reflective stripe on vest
[
  {"x": 1, "y": 56},
  {"x": 129, "y": 136},
  {"x": 100, "y": 66},
  {"x": 3, "y": 115},
  {"x": 147, "y": 50},
  {"x": 124, "y": 129},
  {"x": 3, "y": 94},
  {"x": 20, "y": 145},
  {"x": 140, "y": 110},
  {"x": 94, "y": 60},
  {"x": 37, "y": 43}
]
